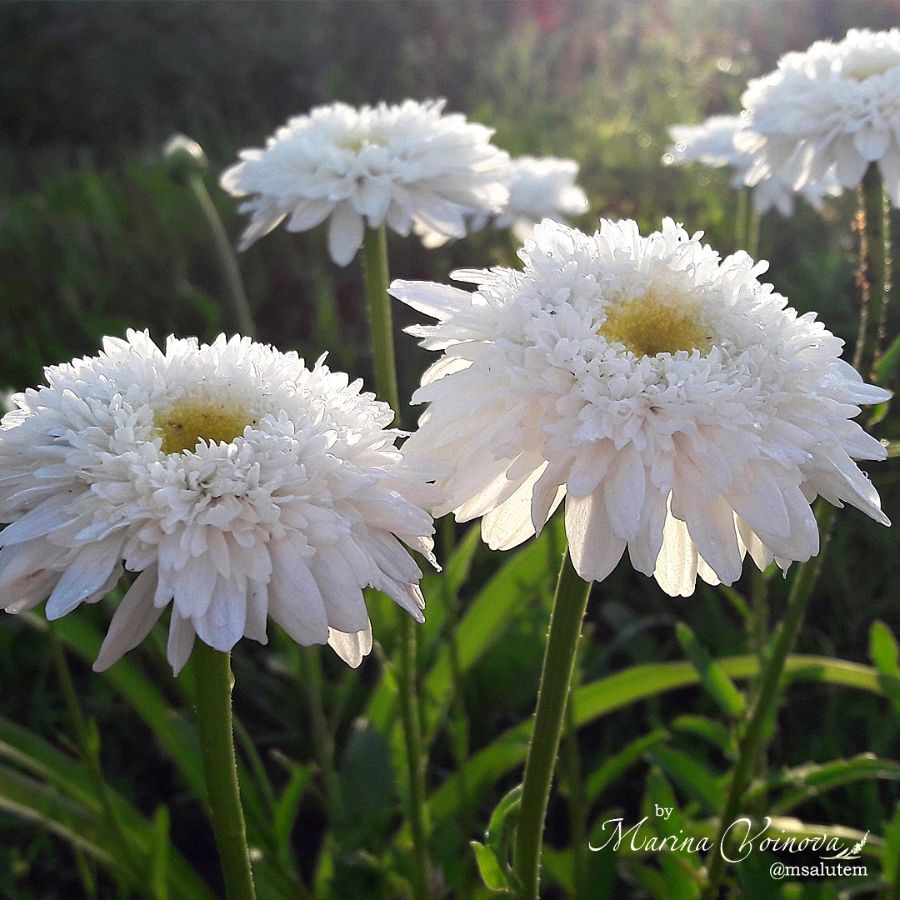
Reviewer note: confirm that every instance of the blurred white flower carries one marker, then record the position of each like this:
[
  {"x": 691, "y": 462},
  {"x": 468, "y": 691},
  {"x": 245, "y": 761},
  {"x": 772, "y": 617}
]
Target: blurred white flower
[
  {"x": 712, "y": 144},
  {"x": 674, "y": 401},
  {"x": 833, "y": 107},
  {"x": 239, "y": 484},
  {"x": 540, "y": 188},
  {"x": 407, "y": 165}
]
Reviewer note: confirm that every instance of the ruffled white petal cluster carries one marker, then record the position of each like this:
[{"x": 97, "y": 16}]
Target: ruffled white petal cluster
[
  {"x": 408, "y": 165},
  {"x": 713, "y": 144},
  {"x": 833, "y": 107},
  {"x": 240, "y": 484},
  {"x": 539, "y": 188},
  {"x": 674, "y": 401}
]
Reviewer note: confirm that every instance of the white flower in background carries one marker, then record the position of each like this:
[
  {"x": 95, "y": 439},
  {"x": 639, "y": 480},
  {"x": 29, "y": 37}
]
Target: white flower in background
[
  {"x": 239, "y": 484},
  {"x": 674, "y": 402},
  {"x": 540, "y": 188},
  {"x": 712, "y": 144},
  {"x": 833, "y": 107},
  {"x": 408, "y": 165}
]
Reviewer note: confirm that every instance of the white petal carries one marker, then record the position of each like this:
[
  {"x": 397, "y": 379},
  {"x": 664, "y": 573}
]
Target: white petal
[
  {"x": 594, "y": 546},
  {"x": 590, "y": 466},
  {"x": 84, "y": 576},
  {"x": 132, "y": 621},
  {"x": 871, "y": 142},
  {"x": 353, "y": 647},
  {"x": 644, "y": 547},
  {"x": 345, "y": 234},
  {"x": 372, "y": 199},
  {"x": 181, "y": 642},
  {"x": 295, "y": 602},
  {"x": 676, "y": 565},
  {"x": 508, "y": 524},
  {"x": 43, "y": 518},
  {"x": 623, "y": 492},
  {"x": 308, "y": 214},
  {"x": 222, "y": 625}
]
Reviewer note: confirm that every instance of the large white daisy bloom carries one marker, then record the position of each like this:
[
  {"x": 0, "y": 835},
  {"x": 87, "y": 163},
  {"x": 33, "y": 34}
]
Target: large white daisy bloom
[
  {"x": 833, "y": 107},
  {"x": 240, "y": 484},
  {"x": 712, "y": 144},
  {"x": 407, "y": 165},
  {"x": 679, "y": 407}
]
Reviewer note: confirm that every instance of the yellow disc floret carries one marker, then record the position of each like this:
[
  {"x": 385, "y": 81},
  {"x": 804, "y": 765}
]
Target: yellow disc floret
[
  {"x": 191, "y": 420},
  {"x": 647, "y": 326}
]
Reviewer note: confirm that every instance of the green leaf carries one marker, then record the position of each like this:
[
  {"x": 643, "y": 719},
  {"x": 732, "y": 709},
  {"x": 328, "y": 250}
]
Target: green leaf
[
  {"x": 803, "y": 783},
  {"x": 891, "y": 858},
  {"x": 499, "y": 824},
  {"x": 694, "y": 779},
  {"x": 287, "y": 806},
  {"x": 613, "y": 767},
  {"x": 888, "y": 363},
  {"x": 159, "y": 856},
  {"x": 885, "y": 654},
  {"x": 883, "y": 649},
  {"x": 718, "y": 685},
  {"x": 599, "y": 698},
  {"x": 714, "y": 732},
  {"x": 489, "y": 868}
]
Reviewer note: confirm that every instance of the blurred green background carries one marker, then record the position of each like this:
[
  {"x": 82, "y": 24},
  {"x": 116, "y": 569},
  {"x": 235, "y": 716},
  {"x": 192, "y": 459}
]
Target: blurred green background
[{"x": 96, "y": 235}]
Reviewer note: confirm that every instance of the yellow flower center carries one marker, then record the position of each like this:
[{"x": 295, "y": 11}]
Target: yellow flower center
[
  {"x": 191, "y": 420},
  {"x": 647, "y": 326}
]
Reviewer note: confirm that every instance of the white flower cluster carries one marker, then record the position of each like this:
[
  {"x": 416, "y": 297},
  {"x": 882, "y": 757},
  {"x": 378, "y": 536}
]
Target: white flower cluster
[
  {"x": 408, "y": 165},
  {"x": 674, "y": 401},
  {"x": 833, "y": 109},
  {"x": 240, "y": 484},
  {"x": 713, "y": 144}
]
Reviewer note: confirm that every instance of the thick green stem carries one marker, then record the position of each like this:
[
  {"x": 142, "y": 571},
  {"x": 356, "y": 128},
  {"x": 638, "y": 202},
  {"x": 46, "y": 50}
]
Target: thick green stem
[
  {"x": 569, "y": 606},
  {"x": 212, "y": 676},
  {"x": 874, "y": 274},
  {"x": 380, "y": 319},
  {"x": 377, "y": 280},
  {"x": 753, "y": 740},
  {"x": 240, "y": 316}
]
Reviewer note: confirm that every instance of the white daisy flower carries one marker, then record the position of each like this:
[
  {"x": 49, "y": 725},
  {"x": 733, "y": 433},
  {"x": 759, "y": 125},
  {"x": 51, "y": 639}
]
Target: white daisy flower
[
  {"x": 407, "y": 165},
  {"x": 679, "y": 407},
  {"x": 833, "y": 107},
  {"x": 240, "y": 484},
  {"x": 540, "y": 188},
  {"x": 712, "y": 144}
]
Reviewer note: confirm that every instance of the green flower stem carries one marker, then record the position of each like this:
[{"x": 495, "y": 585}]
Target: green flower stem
[
  {"x": 213, "y": 681},
  {"x": 874, "y": 273},
  {"x": 377, "y": 280},
  {"x": 240, "y": 316},
  {"x": 765, "y": 701},
  {"x": 569, "y": 605},
  {"x": 380, "y": 319}
]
